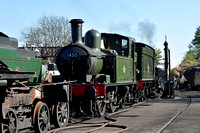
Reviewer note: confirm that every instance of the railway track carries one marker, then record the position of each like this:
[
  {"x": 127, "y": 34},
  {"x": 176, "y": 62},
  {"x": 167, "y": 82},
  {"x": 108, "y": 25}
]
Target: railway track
[
  {"x": 186, "y": 106},
  {"x": 188, "y": 118}
]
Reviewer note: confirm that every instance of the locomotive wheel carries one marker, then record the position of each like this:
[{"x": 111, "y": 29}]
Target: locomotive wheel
[
  {"x": 41, "y": 117},
  {"x": 136, "y": 97},
  {"x": 101, "y": 107},
  {"x": 112, "y": 107},
  {"x": 11, "y": 126},
  {"x": 122, "y": 103},
  {"x": 141, "y": 95},
  {"x": 113, "y": 98},
  {"x": 125, "y": 98},
  {"x": 61, "y": 114},
  {"x": 146, "y": 94}
]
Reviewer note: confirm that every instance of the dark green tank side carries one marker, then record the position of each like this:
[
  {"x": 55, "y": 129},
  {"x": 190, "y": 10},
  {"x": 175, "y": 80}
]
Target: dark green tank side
[{"x": 146, "y": 62}]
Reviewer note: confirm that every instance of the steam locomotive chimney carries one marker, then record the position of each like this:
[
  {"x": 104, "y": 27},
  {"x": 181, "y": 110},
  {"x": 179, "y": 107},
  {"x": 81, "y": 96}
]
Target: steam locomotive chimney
[{"x": 76, "y": 28}]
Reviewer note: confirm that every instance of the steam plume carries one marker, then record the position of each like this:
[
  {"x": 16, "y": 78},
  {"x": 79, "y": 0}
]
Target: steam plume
[{"x": 147, "y": 30}]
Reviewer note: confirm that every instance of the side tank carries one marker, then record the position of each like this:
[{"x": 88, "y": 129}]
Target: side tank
[{"x": 77, "y": 60}]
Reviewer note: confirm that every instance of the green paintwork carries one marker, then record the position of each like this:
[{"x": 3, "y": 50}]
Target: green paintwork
[
  {"x": 16, "y": 63},
  {"x": 99, "y": 66},
  {"x": 119, "y": 68},
  {"x": 135, "y": 65},
  {"x": 124, "y": 69},
  {"x": 146, "y": 66}
]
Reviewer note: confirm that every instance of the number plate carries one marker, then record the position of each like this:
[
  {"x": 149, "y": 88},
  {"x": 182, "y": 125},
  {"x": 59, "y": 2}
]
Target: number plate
[{"x": 69, "y": 55}]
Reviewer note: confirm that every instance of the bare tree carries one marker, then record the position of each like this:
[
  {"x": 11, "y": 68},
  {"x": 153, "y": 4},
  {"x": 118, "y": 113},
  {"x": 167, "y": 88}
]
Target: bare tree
[{"x": 51, "y": 30}]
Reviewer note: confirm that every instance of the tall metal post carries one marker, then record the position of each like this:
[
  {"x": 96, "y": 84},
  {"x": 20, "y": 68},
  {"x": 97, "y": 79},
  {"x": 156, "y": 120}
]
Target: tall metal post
[
  {"x": 168, "y": 90},
  {"x": 166, "y": 59},
  {"x": 169, "y": 65}
]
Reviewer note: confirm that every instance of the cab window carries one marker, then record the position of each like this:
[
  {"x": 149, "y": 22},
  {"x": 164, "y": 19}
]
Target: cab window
[
  {"x": 124, "y": 47},
  {"x": 124, "y": 43}
]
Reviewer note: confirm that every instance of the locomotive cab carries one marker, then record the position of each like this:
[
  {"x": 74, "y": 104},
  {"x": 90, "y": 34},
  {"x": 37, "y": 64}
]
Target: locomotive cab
[
  {"x": 119, "y": 60},
  {"x": 118, "y": 43}
]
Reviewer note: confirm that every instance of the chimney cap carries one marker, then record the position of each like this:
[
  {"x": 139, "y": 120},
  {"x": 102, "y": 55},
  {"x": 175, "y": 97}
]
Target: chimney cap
[{"x": 76, "y": 21}]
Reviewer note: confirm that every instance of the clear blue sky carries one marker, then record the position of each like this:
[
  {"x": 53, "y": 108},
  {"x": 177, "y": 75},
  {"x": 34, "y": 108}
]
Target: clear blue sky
[{"x": 178, "y": 19}]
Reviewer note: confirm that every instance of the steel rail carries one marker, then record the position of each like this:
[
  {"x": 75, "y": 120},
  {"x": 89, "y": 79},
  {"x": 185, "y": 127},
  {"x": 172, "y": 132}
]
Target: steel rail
[{"x": 175, "y": 116}]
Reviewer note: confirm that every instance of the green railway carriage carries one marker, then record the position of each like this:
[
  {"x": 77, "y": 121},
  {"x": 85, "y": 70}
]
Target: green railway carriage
[{"x": 146, "y": 62}]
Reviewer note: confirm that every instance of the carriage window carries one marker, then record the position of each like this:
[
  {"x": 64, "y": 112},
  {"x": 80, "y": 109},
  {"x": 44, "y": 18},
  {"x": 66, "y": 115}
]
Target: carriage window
[{"x": 124, "y": 43}]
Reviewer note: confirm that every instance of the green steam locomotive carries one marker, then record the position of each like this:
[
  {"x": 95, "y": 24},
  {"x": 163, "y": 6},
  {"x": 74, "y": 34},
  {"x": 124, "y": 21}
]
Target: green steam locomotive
[{"x": 111, "y": 70}]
